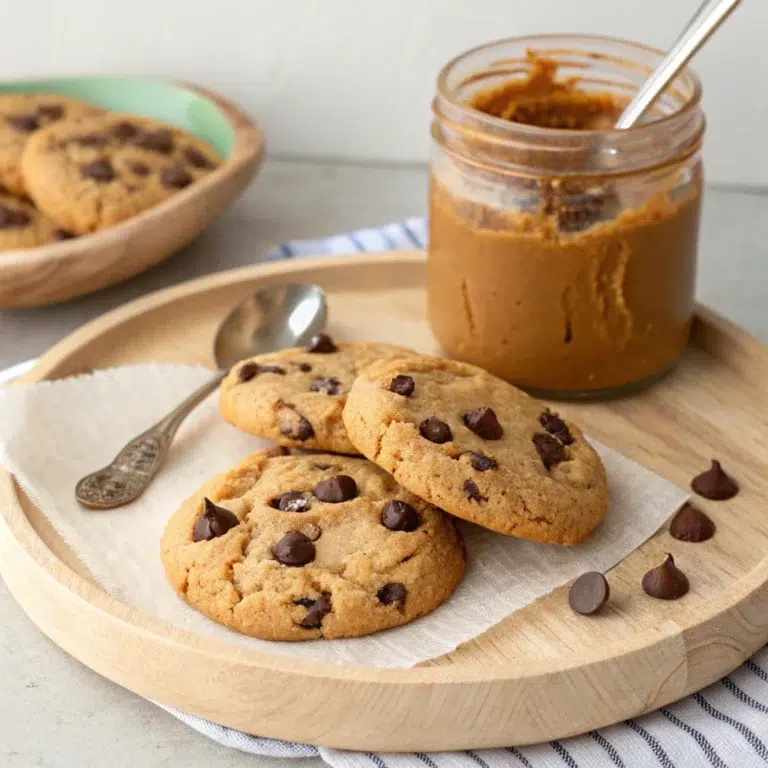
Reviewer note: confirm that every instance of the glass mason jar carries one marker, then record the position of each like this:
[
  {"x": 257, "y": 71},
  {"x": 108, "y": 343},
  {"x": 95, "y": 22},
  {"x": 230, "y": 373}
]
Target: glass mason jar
[{"x": 563, "y": 259}]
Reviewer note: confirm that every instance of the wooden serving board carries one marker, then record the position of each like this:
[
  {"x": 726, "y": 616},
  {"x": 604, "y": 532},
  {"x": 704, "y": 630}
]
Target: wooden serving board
[{"x": 541, "y": 674}]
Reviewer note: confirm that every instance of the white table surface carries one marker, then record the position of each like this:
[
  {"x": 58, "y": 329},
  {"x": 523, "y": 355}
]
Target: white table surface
[{"x": 56, "y": 712}]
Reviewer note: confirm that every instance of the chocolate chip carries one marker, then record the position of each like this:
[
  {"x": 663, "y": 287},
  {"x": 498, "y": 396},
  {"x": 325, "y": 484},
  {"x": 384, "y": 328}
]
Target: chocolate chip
[
  {"x": 140, "y": 169},
  {"x": 196, "y": 158},
  {"x": 292, "y": 501},
  {"x": 393, "y": 594},
  {"x": 400, "y": 516},
  {"x": 214, "y": 522},
  {"x": 50, "y": 111},
  {"x": 483, "y": 422},
  {"x": 294, "y": 549},
  {"x": 292, "y": 424},
  {"x": 249, "y": 370},
  {"x": 13, "y": 218},
  {"x": 666, "y": 582},
  {"x": 481, "y": 462},
  {"x": 312, "y": 531},
  {"x": 691, "y": 524},
  {"x": 553, "y": 424},
  {"x": 98, "y": 170},
  {"x": 156, "y": 141},
  {"x": 435, "y": 431},
  {"x": 63, "y": 234},
  {"x": 322, "y": 344},
  {"x": 23, "y": 123},
  {"x": 402, "y": 385},
  {"x": 327, "y": 385},
  {"x": 124, "y": 131},
  {"x": 472, "y": 492},
  {"x": 90, "y": 140},
  {"x": 715, "y": 484},
  {"x": 175, "y": 177},
  {"x": 304, "y": 367},
  {"x": 317, "y": 610},
  {"x": 550, "y": 449},
  {"x": 589, "y": 593},
  {"x": 336, "y": 489}
]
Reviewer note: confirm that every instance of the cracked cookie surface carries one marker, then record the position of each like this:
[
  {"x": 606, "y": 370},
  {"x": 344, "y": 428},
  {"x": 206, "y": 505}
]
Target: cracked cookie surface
[
  {"x": 100, "y": 171},
  {"x": 296, "y": 396},
  {"x": 287, "y": 547},
  {"x": 478, "y": 447}
]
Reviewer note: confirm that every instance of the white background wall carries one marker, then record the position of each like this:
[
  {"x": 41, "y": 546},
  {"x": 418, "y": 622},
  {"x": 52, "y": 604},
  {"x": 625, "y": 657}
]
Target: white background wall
[{"x": 354, "y": 78}]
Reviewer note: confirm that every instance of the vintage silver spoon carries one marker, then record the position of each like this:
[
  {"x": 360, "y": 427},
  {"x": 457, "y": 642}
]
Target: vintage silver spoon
[{"x": 276, "y": 317}]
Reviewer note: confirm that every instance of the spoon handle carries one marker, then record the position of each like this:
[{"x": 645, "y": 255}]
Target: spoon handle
[
  {"x": 708, "y": 18},
  {"x": 132, "y": 470}
]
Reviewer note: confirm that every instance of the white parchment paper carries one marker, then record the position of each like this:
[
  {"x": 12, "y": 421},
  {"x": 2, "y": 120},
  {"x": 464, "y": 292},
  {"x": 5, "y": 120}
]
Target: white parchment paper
[{"x": 53, "y": 433}]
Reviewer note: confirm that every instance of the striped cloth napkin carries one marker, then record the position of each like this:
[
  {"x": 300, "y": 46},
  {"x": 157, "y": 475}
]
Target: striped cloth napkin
[{"x": 723, "y": 726}]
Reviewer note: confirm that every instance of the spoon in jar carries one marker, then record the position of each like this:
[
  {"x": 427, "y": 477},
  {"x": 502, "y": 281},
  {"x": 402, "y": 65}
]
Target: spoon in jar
[{"x": 276, "y": 317}]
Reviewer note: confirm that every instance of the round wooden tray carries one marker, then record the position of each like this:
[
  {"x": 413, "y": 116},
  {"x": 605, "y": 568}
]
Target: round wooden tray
[{"x": 541, "y": 674}]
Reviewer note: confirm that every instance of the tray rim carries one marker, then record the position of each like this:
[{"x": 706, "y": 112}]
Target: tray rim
[{"x": 19, "y": 533}]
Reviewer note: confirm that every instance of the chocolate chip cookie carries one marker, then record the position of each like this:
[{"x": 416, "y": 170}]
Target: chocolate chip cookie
[
  {"x": 23, "y": 226},
  {"x": 289, "y": 547},
  {"x": 21, "y": 116},
  {"x": 478, "y": 447},
  {"x": 97, "y": 172},
  {"x": 296, "y": 396}
]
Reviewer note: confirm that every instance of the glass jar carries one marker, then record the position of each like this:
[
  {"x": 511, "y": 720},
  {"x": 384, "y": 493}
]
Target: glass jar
[{"x": 563, "y": 259}]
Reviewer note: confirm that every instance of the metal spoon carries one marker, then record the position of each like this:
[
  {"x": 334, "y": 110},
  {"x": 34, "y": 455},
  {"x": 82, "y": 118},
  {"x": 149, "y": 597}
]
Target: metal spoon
[
  {"x": 275, "y": 317},
  {"x": 708, "y": 18}
]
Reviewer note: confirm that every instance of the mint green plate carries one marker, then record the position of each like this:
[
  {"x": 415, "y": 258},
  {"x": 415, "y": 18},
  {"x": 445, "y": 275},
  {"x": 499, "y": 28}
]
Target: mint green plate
[{"x": 103, "y": 258}]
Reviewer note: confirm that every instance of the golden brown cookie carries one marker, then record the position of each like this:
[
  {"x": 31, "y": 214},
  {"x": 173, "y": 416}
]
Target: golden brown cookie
[
  {"x": 289, "y": 547},
  {"x": 478, "y": 447},
  {"x": 97, "y": 172},
  {"x": 24, "y": 114},
  {"x": 23, "y": 226},
  {"x": 296, "y": 396}
]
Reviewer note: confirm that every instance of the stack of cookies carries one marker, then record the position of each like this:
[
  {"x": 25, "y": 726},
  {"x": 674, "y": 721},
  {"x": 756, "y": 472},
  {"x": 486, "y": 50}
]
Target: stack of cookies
[
  {"x": 347, "y": 527},
  {"x": 68, "y": 167}
]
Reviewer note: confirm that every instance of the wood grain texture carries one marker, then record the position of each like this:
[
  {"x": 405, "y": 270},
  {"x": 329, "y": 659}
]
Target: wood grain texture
[
  {"x": 544, "y": 672},
  {"x": 53, "y": 273}
]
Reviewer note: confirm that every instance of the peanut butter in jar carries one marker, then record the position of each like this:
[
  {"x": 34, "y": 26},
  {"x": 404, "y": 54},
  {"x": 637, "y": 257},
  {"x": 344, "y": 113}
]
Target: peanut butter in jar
[{"x": 562, "y": 253}]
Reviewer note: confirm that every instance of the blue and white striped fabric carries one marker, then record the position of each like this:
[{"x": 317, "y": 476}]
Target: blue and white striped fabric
[{"x": 723, "y": 726}]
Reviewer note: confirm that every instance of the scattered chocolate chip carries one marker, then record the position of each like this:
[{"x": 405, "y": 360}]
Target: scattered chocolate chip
[
  {"x": 98, "y": 170},
  {"x": 294, "y": 549},
  {"x": 23, "y": 123},
  {"x": 435, "y": 431},
  {"x": 327, "y": 385},
  {"x": 215, "y": 521},
  {"x": 292, "y": 424},
  {"x": 322, "y": 344},
  {"x": 692, "y": 525},
  {"x": 402, "y": 385},
  {"x": 336, "y": 489},
  {"x": 292, "y": 501},
  {"x": 666, "y": 582},
  {"x": 196, "y": 158},
  {"x": 393, "y": 594},
  {"x": 124, "y": 131},
  {"x": 399, "y": 516},
  {"x": 50, "y": 111},
  {"x": 249, "y": 370},
  {"x": 140, "y": 169},
  {"x": 63, "y": 234},
  {"x": 589, "y": 593},
  {"x": 715, "y": 484},
  {"x": 312, "y": 531},
  {"x": 96, "y": 140},
  {"x": 481, "y": 462},
  {"x": 13, "y": 218},
  {"x": 550, "y": 449},
  {"x": 156, "y": 141},
  {"x": 317, "y": 610},
  {"x": 553, "y": 424},
  {"x": 472, "y": 492},
  {"x": 483, "y": 422},
  {"x": 175, "y": 177},
  {"x": 304, "y": 367}
]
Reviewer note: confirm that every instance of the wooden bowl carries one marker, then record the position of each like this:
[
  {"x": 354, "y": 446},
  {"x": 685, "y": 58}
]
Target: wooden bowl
[{"x": 59, "y": 271}]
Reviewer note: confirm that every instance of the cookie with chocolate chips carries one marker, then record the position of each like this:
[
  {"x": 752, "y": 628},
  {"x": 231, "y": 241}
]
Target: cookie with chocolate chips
[
  {"x": 286, "y": 547},
  {"x": 99, "y": 171},
  {"x": 296, "y": 396},
  {"x": 478, "y": 448},
  {"x": 23, "y": 226},
  {"x": 22, "y": 115}
]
